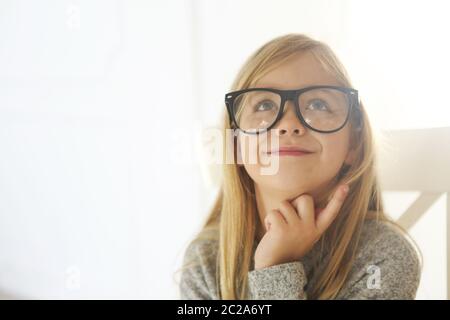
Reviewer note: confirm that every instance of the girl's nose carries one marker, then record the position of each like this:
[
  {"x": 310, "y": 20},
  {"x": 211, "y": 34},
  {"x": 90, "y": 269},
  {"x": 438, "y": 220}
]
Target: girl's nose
[{"x": 289, "y": 124}]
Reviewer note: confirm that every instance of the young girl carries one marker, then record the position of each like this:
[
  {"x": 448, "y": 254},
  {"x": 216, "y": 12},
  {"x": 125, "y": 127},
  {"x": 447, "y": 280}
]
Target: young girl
[{"x": 314, "y": 229}]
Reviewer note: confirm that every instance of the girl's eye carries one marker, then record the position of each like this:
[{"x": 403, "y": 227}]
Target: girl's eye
[
  {"x": 318, "y": 105},
  {"x": 266, "y": 105}
]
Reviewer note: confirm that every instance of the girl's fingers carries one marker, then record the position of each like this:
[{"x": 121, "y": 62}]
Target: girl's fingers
[
  {"x": 318, "y": 211},
  {"x": 274, "y": 219},
  {"x": 331, "y": 210},
  {"x": 305, "y": 209},
  {"x": 289, "y": 212}
]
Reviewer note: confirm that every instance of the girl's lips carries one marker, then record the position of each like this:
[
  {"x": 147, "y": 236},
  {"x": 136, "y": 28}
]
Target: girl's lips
[
  {"x": 294, "y": 153},
  {"x": 290, "y": 150}
]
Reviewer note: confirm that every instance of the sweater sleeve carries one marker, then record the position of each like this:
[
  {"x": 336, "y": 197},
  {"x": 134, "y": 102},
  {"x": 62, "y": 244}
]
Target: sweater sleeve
[{"x": 279, "y": 282}]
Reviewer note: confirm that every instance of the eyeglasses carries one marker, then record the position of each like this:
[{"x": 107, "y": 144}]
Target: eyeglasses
[{"x": 321, "y": 108}]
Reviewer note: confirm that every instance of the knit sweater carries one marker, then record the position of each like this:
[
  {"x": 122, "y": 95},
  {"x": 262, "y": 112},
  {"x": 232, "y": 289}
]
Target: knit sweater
[{"x": 386, "y": 267}]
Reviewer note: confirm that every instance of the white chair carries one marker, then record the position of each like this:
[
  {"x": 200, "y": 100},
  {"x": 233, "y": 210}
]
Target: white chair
[{"x": 417, "y": 160}]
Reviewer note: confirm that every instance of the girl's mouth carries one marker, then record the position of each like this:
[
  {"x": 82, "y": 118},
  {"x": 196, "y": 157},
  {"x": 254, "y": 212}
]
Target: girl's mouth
[
  {"x": 290, "y": 151},
  {"x": 293, "y": 153}
]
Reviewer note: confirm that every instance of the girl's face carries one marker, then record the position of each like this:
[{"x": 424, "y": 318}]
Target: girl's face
[{"x": 297, "y": 174}]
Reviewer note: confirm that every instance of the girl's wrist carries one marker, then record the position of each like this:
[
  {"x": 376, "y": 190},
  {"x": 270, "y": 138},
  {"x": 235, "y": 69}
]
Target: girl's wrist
[{"x": 259, "y": 266}]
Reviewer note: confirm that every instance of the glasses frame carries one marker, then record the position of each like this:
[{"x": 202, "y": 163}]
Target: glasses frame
[{"x": 285, "y": 95}]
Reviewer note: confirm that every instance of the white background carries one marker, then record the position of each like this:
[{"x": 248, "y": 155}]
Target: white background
[{"x": 102, "y": 103}]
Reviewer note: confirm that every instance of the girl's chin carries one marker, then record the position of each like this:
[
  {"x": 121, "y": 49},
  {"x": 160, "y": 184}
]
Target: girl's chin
[
  {"x": 289, "y": 184},
  {"x": 290, "y": 172}
]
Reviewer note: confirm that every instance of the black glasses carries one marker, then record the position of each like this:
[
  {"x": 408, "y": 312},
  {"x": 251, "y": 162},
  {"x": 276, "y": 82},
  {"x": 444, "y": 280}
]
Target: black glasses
[{"x": 321, "y": 108}]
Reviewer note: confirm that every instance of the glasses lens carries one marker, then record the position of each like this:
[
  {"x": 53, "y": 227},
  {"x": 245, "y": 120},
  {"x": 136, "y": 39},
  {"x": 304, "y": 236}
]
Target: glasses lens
[
  {"x": 256, "y": 110},
  {"x": 324, "y": 109}
]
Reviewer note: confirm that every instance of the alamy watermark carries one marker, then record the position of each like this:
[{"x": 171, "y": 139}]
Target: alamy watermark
[
  {"x": 230, "y": 146},
  {"x": 374, "y": 279}
]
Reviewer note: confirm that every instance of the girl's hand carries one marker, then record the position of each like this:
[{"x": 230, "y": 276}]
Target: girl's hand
[{"x": 291, "y": 232}]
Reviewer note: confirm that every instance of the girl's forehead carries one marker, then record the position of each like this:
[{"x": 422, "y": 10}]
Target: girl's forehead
[{"x": 297, "y": 72}]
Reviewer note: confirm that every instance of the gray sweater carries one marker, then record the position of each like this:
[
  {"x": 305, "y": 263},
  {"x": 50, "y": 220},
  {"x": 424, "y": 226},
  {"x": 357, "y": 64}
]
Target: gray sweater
[{"x": 386, "y": 267}]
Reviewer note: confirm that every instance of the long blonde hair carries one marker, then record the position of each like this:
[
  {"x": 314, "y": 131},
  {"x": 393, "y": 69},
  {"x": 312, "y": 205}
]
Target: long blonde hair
[{"x": 234, "y": 213}]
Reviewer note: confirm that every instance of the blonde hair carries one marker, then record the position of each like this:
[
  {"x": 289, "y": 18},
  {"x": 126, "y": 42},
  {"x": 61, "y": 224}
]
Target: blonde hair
[{"x": 234, "y": 214}]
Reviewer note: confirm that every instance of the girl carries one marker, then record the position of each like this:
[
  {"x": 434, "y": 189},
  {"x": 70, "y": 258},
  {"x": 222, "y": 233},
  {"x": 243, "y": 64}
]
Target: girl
[{"x": 314, "y": 229}]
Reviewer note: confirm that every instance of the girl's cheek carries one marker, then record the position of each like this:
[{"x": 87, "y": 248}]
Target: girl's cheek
[{"x": 331, "y": 157}]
